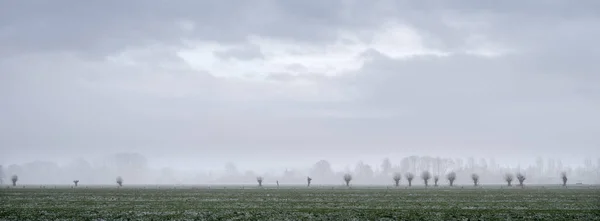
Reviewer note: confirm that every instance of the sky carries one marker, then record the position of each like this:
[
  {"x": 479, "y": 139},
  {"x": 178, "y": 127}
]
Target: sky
[{"x": 267, "y": 82}]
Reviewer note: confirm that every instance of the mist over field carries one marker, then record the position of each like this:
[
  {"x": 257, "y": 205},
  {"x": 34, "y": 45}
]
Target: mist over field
[
  {"x": 221, "y": 91},
  {"x": 137, "y": 170}
]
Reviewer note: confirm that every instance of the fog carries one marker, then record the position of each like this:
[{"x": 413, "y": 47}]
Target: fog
[
  {"x": 184, "y": 88},
  {"x": 136, "y": 169}
]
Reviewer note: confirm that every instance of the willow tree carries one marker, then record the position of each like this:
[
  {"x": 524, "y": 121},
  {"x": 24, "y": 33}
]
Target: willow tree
[
  {"x": 508, "y": 177},
  {"x": 521, "y": 178},
  {"x": 120, "y": 181},
  {"x": 14, "y": 179},
  {"x": 259, "y": 180},
  {"x": 347, "y": 179},
  {"x": 409, "y": 178},
  {"x": 451, "y": 177},
  {"x": 397, "y": 177},
  {"x": 475, "y": 179},
  {"x": 426, "y": 175}
]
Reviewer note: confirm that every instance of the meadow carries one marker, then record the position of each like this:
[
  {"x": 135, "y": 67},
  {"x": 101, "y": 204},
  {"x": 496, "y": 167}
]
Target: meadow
[{"x": 299, "y": 203}]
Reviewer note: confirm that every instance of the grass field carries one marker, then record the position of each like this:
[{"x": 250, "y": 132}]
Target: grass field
[{"x": 297, "y": 203}]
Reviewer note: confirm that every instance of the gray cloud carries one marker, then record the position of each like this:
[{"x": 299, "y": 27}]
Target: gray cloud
[
  {"x": 112, "y": 25},
  {"x": 472, "y": 97},
  {"x": 247, "y": 52}
]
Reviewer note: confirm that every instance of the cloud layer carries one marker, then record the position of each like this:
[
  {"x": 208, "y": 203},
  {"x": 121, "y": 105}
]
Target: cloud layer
[{"x": 299, "y": 78}]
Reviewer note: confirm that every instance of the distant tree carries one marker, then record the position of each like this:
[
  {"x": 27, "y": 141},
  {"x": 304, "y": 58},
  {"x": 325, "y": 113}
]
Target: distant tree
[
  {"x": 308, "y": 180},
  {"x": 347, "y": 179},
  {"x": 409, "y": 178},
  {"x": 508, "y": 177},
  {"x": 231, "y": 169},
  {"x": 363, "y": 170},
  {"x": 451, "y": 177},
  {"x": 322, "y": 170},
  {"x": 397, "y": 177},
  {"x": 75, "y": 182},
  {"x": 475, "y": 178},
  {"x": 1, "y": 175},
  {"x": 259, "y": 180},
  {"x": 277, "y": 181},
  {"x": 425, "y": 175},
  {"x": 120, "y": 181},
  {"x": 14, "y": 179},
  {"x": 436, "y": 178},
  {"x": 521, "y": 178},
  {"x": 386, "y": 166},
  {"x": 563, "y": 175}
]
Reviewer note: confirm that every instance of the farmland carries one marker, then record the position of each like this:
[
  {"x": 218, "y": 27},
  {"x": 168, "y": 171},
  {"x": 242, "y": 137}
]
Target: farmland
[{"x": 299, "y": 203}]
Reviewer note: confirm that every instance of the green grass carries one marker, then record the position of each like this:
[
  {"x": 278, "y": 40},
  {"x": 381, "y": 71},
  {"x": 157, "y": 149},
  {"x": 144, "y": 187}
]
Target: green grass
[{"x": 326, "y": 203}]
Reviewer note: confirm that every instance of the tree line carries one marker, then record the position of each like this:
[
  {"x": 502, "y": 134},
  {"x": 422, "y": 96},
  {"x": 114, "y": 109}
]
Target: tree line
[
  {"x": 435, "y": 171},
  {"x": 425, "y": 176}
]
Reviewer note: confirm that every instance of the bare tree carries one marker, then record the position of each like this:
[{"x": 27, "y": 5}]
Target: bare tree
[
  {"x": 521, "y": 178},
  {"x": 451, "y": 178},
  {"x": 425, "y": 175},
  {"x": 308, "y": 180},
  {"x": 259, "y": 180},
  {"x": 508, "y": 177},
  {"x": 347, "y": 179},
  {"x": 120, "y": 181},
  {"x": 397, "y": 177},
  {"x": 14, "y": 179},
  {"x": 436, "y": 178},
  {"x": 75, "y": 182},
  {"x": 563, "y": 175},
  {"x": 409, "y": 178},
  {"x": 475, "y": 178}
]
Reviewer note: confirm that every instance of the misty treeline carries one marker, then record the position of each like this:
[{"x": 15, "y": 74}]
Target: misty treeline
[{"x": 134, "y": 169}]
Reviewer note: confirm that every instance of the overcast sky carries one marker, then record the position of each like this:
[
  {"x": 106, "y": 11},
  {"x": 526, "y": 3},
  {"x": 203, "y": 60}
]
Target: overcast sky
[{"x": 254, "y": 81}]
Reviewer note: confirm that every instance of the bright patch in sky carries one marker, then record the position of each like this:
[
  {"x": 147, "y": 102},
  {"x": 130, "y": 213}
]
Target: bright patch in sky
[{"x": 280, "y": 56}]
